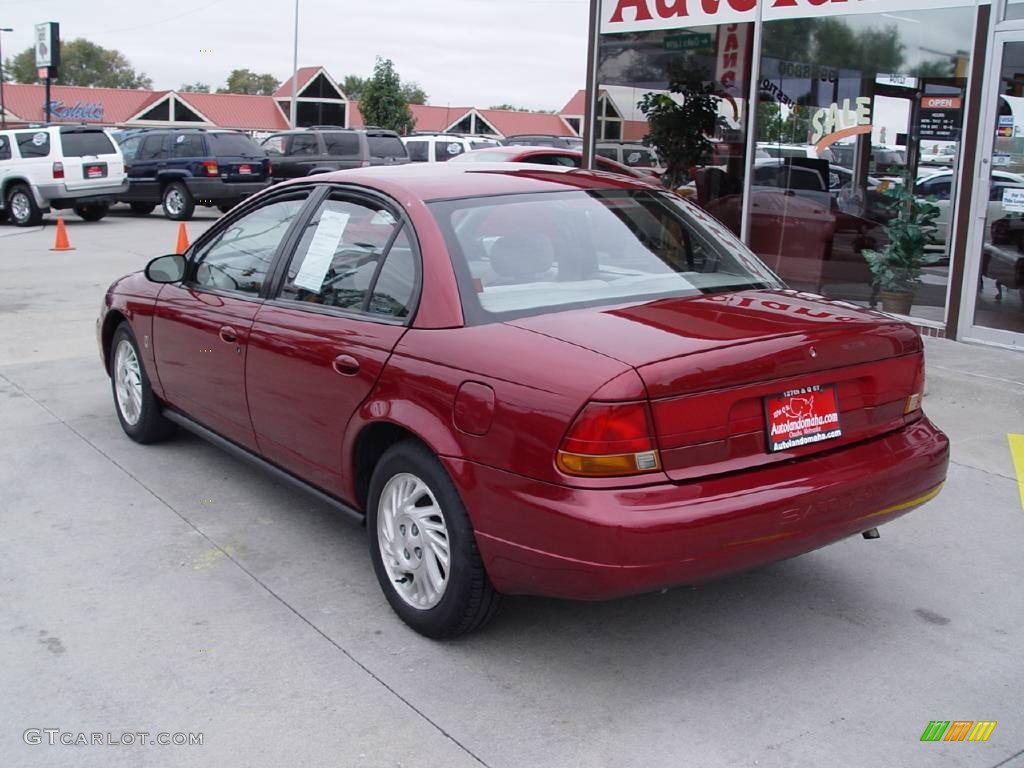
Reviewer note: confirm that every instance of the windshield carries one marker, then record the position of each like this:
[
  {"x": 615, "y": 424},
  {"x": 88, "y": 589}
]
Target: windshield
[
  {"x": 484, "y": 156},
  {"x": 519, "y": 255}
]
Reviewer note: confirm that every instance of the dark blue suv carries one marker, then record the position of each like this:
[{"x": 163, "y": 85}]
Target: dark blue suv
[{"x": 182, "y": 168}]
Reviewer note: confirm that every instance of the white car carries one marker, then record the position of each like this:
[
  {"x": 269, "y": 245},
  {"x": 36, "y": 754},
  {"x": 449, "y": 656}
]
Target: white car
[
  {"x": 940, "y": 186},
  {"x": 442, "y": 147},
  {"x": 58, "y": 167},
  {"x": 795, "y": 150}
]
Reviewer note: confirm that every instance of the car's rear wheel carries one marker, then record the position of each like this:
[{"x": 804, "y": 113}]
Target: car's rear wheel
[
  {"x": 137, "y": 408},
  {"x": 178, "y": 203},
  {"x": 423, "y": 547},
  {"x": 22, "y": 208},
  {"x": 141, "y": 209},
  {"x": 92, "y": 211}
]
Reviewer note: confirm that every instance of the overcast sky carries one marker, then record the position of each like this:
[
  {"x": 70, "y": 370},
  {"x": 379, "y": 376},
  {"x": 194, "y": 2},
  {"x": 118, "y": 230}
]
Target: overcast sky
[{"x": 462, "y": 52}]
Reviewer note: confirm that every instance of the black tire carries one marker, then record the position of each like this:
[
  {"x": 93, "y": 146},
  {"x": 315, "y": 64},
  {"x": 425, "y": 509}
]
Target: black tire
[
  {"x": 92, "y": 211},
  {"x": 150, "y": 426},
  {"x": 173, "y": 209},
  {"x": 469, "y": 600},
  {"x": 21, "y": 196},
  {"x": 141, "y": 209}
]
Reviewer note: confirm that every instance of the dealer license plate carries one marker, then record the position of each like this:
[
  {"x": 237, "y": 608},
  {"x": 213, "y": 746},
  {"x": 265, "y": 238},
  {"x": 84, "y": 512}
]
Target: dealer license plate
[{"x": 802, "y": 416}]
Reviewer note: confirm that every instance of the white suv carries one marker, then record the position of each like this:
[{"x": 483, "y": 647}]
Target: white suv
[
  {"x": 442, "y": 147},
  {"x": 69, "y": 166}
]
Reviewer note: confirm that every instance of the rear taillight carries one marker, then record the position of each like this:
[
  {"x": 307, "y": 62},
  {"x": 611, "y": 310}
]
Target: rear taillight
[
  {"x": 916, "y": 399},
  {"x": 610, "y": 440},
  {"x": 58, "y": 170},
  {"x": 210, "y": 168}
]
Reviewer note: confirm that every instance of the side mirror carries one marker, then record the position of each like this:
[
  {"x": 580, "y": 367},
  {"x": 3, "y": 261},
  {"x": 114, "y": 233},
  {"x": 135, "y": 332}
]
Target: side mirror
[{"x": 166, "y": 269}]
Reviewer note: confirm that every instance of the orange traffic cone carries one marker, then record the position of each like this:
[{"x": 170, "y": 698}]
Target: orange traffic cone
[
  {"x": 61, "y": 242},
  {"x": 182, "y": 238}
]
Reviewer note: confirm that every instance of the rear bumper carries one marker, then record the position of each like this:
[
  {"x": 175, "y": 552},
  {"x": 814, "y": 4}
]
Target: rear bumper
[
  {"x": 59, "y": 196},
  {"x": 214, "y": 191},
  {"x": 537, "y": 538}
]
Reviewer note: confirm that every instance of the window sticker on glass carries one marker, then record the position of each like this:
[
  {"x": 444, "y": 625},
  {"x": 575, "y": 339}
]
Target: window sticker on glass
[
  {"x": 1013, "y": 200},
  {"x": 181, "y": 138},
  {"x": 39, "y": 139},
  {"x": 329, "y": 231},
  {"x": 454, "y": 149}
]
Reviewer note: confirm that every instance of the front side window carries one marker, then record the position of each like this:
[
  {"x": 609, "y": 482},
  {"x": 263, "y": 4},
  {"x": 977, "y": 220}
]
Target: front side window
[
  {"x": 418, "y": 150},
  {"x": 274, "y": 145},
  {"x": 130, "y": 147},
  {"x": 152, "y": 147},
  {"x": 5, "y": 148},
  {"x": 338, "y": 256},
  {"x": 33, "y": 144},
  {"x": 529, "y": 254},
  {"x": 239, "y": 258}
]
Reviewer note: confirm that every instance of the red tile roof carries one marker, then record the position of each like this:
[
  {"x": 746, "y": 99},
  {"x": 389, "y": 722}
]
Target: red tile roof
[
  {"x": 634, "y": 130},
  {"x": 305, "y": 75},
  {"x": 511, "y": 123},
  {"x": 236, "y": 110},
  {"x": 25, "y": 100},
  {"x": 576, "y": 105}
]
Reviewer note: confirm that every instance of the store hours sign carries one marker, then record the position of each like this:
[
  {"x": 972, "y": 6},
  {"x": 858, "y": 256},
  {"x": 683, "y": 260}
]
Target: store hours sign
[{"x": 940, "y": 118}]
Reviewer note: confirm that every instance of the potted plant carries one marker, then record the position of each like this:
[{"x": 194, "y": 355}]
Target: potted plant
[{"x": 897, "y": 267}]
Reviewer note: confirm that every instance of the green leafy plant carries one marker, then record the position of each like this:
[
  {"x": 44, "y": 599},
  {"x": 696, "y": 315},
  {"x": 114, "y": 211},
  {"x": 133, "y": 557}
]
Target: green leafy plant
[
  {"x": 681, "y": 132},
  {"x": 383, "y": 102},
  {"x": 897, "y": 267}
]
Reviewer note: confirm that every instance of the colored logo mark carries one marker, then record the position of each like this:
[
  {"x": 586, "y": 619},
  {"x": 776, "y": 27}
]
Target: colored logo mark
[{"x": 958, "y": 730}]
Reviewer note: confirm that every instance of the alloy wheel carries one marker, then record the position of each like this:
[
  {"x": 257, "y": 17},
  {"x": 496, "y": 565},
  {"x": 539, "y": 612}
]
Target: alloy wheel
[
  {"x": 174, "y": 202},
  {"x": 21, "y": 206},
  {"x": 413, "y": 539},
  {"x": 128, "y": 382}
]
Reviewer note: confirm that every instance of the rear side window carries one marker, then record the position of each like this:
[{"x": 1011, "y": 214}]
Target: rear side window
[
  {"x": 446, "y": 150},
  {"x": 638, "y": 158},
  {"x": 611, "y": 154},
  {"x": 85, "y": 143},
  {"x": 342, "y": 144},
  {"x": 188, "y": 145},
  {"x": 386, "y": 146},
  {"x": 418, "y": 151},
  {"x": 33, "y": 144},
  {"x": 337, "y": 258},
  {"x": 233, "y": 144},
  {"x": 5, "y": 148}
]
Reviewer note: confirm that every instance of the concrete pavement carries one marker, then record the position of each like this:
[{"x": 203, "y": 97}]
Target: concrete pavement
[{"x": 171, "y": 588}]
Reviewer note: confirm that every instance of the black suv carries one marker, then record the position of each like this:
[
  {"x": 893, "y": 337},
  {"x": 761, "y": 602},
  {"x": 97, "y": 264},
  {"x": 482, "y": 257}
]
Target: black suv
[
  {"x": 544, "y": 140},
  {"x": 183, "y": 168},
  {"x": 321, "y": 149}
]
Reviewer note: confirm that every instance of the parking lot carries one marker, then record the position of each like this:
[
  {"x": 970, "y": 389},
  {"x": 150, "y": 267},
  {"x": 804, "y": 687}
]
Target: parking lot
[{"x": 170, "y": 588}]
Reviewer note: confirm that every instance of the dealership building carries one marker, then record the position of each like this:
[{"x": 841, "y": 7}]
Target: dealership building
[{"x": 824, "y": 107}]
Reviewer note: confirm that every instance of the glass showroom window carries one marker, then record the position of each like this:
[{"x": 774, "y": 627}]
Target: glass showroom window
[
  {"x": 850, "y": 109},
  {"x": 661, "y": 84}
]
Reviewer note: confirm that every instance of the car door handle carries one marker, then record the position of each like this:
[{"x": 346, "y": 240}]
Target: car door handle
[
  {"x": 346, "y": 365},
  {"x": 228, "y": 334}
]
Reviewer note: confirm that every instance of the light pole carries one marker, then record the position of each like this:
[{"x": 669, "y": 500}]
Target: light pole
[
  {"x": 3, "y": 109},
  {"x": 295, "y": 67}
]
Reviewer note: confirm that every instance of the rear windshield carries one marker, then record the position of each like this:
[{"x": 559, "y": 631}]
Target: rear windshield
[
  {"x": 519, "y": 255},
  {"x": 233, "y": 144},
  {"x": 84, "y": 143},
  {"x": 386, "y": 146},
  {"x": 485, "y": 156}
]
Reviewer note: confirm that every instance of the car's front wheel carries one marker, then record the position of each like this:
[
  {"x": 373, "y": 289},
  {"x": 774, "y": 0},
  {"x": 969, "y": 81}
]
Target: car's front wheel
[
  {"x": 22, "y": 208},
  {"x": 177, "y": 201},
  {"x": 137, "y": 407},
  {"x": 93, "y": 211},
  {"x": 423, "y": 548}
]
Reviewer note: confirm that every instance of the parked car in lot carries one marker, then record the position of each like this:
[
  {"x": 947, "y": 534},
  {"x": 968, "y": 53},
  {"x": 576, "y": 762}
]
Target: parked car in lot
[
  {"x": 58, "y": 167},
  {"x": 184, "y": 167},
  {"x": 525, "y": 380},
  {"x": 632, "y": 154},
  {"x": 442, "y": 147},
  {"x": 544, "y": 140},
  {"x": 938, "y": 187},
  {"x": 567, "y": 158},
  {"x": 323, "y": 149}
]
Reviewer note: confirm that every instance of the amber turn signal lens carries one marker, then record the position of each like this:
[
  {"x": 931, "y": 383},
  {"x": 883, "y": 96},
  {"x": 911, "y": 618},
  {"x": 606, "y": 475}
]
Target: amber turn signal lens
[{"x": 608, "y": 466}]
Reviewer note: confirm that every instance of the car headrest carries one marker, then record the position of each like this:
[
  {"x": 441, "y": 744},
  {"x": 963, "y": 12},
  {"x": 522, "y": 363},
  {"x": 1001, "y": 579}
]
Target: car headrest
[{"x": 522, "y": 255}]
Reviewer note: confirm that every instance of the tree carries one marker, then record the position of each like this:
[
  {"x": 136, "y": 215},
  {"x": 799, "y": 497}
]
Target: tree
[
  {"x": 509, "y": 108},
  {"x": 353, "y": 86},
  {"x": 382, "y": 102},
  {"x": 770, "y": 122},
  {"x": 82, "y": 63},
  {"x": 245, "y": 81},
  {"x": 413, "y": 93},
  {"x": 680, "y": 131},
  {"x": 195, "y": 87}
]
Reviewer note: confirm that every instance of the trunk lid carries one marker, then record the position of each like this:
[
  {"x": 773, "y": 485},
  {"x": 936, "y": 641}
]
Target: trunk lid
[{"x": 713, "y": 364}]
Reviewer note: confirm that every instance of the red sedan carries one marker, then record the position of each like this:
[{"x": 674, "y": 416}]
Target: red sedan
[
  {"x": 567, "y": 158},
  {"x": 526, "y": 381}
]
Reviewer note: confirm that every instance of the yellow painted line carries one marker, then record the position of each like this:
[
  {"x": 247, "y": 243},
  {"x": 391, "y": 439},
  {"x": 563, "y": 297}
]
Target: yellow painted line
[
  {"x": 907, "y": 504},
  {"x": 1017, "y": 452}
]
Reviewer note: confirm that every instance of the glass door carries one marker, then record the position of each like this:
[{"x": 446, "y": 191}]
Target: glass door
[{"x": 993, "y": 303}]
